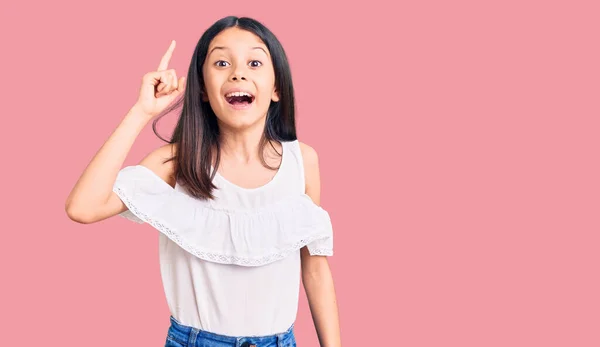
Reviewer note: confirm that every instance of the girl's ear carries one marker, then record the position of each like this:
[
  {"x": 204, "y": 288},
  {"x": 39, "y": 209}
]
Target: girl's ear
[
  {"x": 275, "y": 96},
  {"x": 204, "y": 94}
]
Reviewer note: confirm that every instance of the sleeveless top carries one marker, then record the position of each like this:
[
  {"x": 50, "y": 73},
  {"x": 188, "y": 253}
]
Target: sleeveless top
[{"x": 231, "y": 265}]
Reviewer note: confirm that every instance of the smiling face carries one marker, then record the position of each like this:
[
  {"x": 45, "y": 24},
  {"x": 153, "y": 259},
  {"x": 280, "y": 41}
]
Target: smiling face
[{"x": 239, "y": 78}]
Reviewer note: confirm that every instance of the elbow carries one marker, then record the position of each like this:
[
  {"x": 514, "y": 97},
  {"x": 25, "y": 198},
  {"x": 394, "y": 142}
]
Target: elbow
[{"x": 77, "y": 215}]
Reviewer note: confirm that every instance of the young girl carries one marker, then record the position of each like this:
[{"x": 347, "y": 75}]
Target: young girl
[{"x": 234, "y": 195}]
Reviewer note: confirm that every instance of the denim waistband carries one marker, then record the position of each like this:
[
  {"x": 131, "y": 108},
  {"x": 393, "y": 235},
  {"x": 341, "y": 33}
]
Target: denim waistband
[{"x": 189, "y": 336}]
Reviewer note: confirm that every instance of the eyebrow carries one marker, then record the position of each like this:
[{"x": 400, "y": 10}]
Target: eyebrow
[{"x": 226, "y": 48}]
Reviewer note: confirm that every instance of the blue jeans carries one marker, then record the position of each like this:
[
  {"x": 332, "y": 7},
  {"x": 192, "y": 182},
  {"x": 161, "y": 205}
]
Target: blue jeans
[{"x": 180, "y": 335}]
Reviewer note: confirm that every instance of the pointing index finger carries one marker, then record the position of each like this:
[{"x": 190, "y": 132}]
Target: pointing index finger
[{"x": 164, "y": 62}]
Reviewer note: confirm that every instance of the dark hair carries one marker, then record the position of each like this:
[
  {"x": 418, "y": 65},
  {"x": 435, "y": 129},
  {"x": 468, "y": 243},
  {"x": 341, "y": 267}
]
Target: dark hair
[{"x": 197, "y": 132}]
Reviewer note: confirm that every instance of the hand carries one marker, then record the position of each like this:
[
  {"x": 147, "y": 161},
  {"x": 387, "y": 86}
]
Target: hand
[{"x": 159, "y": 88}]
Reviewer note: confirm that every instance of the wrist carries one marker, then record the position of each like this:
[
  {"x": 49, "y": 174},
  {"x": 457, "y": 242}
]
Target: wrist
[
  {"x": 138, "y": 111},
  {"x": 137, "y": 117}
]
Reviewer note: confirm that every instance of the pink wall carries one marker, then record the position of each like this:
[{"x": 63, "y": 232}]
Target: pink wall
[{"x": 459, "y": 162}]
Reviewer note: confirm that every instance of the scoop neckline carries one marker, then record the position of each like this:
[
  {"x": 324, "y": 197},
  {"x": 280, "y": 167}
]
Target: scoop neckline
[{"x": 264, "y": 186}]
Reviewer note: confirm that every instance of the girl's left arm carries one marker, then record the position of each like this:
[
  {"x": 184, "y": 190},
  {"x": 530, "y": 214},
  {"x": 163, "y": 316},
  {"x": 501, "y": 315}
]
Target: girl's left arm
[
  {"x": 320, "y": 292},
  {"x": 316, "y": 274}
]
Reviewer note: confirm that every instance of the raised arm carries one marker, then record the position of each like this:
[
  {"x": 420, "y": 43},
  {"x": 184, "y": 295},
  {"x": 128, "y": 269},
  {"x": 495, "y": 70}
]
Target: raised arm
[{"x": 92, "y": 198}]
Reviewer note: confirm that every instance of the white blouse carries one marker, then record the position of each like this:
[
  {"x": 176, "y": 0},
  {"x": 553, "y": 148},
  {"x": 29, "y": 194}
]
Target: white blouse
[{"x": 231, "y": 265}]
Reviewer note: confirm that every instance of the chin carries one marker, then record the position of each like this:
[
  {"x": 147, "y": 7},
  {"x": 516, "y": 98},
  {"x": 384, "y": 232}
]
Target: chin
[{"x": 242, "y": 120}]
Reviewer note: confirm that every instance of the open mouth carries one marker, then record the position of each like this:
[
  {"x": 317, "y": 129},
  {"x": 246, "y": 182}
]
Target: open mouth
[{"x": 239, "y": 98}]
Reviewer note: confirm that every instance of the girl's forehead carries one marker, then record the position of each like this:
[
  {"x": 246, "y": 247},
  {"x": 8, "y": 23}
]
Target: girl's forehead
[{"x": 235, "y": 38}]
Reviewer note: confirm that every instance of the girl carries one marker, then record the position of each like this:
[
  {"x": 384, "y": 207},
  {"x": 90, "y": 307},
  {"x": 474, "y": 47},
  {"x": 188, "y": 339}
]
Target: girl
[{"x": 234, "y": 194}]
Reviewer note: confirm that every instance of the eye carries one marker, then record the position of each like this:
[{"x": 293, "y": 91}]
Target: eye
[
  {"x": 221, "y": 63},
  {"x": 255, "y": 63}
]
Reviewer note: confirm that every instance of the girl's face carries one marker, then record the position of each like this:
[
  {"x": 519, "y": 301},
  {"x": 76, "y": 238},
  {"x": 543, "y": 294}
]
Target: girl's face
[{"x": 239, "y": 78}]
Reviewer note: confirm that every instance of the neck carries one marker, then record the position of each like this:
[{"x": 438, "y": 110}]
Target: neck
[{"x": 241, "y": 145}]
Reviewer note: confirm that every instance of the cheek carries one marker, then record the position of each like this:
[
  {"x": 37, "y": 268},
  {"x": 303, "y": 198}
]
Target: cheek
[
  {"x": 267, "y": 86},
  {"x": 211, "y": 80},
  {"x": 212, "y": 87}
]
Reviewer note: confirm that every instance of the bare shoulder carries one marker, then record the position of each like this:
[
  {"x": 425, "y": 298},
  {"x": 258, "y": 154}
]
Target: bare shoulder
[
  {"x": 157, "y": 161},
  {"x": 309, "y": 154},
  {"x": 310, "y": 159}
]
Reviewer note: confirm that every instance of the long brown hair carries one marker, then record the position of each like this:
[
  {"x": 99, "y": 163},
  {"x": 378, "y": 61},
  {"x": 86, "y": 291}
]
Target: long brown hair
[{"x": 197, "y": 132}]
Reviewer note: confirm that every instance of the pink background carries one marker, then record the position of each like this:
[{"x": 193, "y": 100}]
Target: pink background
[{"x": 459, "y": 157}]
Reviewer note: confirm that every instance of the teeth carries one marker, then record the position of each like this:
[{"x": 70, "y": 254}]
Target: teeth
[{"x": 238, "y": 94}]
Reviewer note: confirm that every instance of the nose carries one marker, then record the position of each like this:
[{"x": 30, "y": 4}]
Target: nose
[
  {"x": 237, "y": 77},
  {"x": 238, "y": 74}
]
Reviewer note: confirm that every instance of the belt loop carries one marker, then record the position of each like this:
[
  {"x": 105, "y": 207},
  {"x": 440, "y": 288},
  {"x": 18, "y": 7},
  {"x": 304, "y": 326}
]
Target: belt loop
[
  {"x": 280, "y": 338},
  {"x": 193, "y": 336}
]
